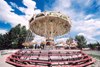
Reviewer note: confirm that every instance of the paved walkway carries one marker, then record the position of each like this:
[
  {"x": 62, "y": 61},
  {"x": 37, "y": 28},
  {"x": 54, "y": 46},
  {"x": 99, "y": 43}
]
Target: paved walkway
[
  {"x": 2, "y": 61},
  {"x": 92, "y": 52},
  {"x": 96, "y": 63}
]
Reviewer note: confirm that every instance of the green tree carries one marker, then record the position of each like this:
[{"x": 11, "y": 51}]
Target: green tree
[
  {"x": 81, "y": 41},
  {"x": 14, "y": 38},
  {"x": 98, "y": 46},
  {"x": 4, "y": 41},
  {"x": 69, "y": 40},
  {"x": 1, "y": 41},
  {"x": 17, "y": 35},
  {"x": 92, "y": 45}
]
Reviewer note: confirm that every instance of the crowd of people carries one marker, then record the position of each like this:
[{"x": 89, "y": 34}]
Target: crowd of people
[{"x": 38, "y": 46}]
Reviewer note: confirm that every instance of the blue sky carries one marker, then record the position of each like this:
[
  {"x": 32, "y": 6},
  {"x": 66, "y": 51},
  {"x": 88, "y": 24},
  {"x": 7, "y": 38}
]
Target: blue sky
[{"x": 84, "y": 14}]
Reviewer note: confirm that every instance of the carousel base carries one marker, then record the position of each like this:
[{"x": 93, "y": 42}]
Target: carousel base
[{"x": 50, "y": 58}]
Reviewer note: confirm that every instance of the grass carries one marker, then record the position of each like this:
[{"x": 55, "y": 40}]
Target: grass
[{"x": 94, "y": 56}]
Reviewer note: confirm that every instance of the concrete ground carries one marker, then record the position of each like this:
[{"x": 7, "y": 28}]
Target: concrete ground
[
  {"x": 92, "y": 52},
  {"x": 3, "y": 59},
  {"x": 96, "y": 63}
]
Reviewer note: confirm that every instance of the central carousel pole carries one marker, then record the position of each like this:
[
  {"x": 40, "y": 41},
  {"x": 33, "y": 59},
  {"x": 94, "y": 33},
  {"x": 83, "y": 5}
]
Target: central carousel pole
[{"x": 49, "y": 38}]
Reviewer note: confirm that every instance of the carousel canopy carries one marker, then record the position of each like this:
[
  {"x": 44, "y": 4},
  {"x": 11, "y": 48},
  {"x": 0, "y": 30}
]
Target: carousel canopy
[{"x": 50, "y": 24}]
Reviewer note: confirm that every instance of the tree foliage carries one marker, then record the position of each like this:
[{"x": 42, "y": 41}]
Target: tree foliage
[
  {"x": 69, "y": 40},
  {"x": 81, "y": 41},
  {"x": 14, "y": 38},
  {"x": 94, "y": 46}
]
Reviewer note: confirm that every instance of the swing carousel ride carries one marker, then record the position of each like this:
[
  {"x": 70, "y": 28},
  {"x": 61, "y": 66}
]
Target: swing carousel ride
[{"x": 49, "y": 25}]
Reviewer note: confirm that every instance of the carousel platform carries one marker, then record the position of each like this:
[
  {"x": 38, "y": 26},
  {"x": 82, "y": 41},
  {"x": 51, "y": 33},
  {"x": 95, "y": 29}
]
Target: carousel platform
[{"x": 50, "y": 58}]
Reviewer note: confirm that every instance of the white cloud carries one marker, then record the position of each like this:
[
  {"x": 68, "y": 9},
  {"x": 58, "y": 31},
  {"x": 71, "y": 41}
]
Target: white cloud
[
  {"x": 14, "y": 4},
  {"x": 14, "y": 19},
  {"x": 82, "y": 34},
  {"x": 88, "y": 16},
  {"x": 4, "y": 6},
  {"x": 30, "y": 7},
  {"x": 89, "y": 38},
  {"x": 2, "y": 31},
  {"x": 62, "y": 40},
  {"x": 89, "y": 26},
  {"x": 62, "y": 3},
  {"x": 89, "y": 29},
  {"x": 38, "y": 39},
  {"x": 86, "y": 3}
]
